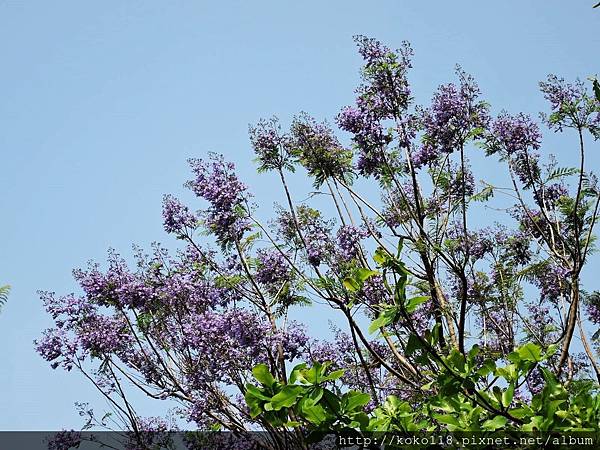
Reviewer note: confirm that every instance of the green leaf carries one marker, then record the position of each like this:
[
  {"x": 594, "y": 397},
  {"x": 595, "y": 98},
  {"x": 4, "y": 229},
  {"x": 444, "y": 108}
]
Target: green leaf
[
  {"x": 336, "y": 374},
  {"x": 413, "y": 303},
  {"x": 400, "y": 246},
  {"x": 495, "y": 423},
  {"x": 447, "y": 419},
  {"x": 363, "y": 274},
  {"x": 253, "y": 391},
  {"x": 488, "y": 366},
  {"x": 351, "y": 285},
  {"x": 596, "y": 83},
  {"x": 507, "y": 395},
  {"x": 296, "y": 374},
  {"x": 413, "y": 345},
  {"x": 354, "y": 400},
  {"x": 4, "y": 291},
  {"x": 263, "y": 375},
  {"x": 385, "y": 318},
  {"x": 380, "y": 256},
  {"x": 530, "y": 352},
  {"x": 311, "y": 412},
  {"x": 286, "y": 397},
  {"x": 551, "y": 350}
]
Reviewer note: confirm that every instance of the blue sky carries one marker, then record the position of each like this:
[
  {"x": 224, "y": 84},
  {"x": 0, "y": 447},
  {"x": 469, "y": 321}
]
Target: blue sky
[{"x": 103, "y": 102}]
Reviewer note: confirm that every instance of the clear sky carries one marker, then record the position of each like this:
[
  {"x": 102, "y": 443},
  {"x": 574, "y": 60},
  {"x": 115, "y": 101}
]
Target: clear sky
[{"x": 101, "y": 103}]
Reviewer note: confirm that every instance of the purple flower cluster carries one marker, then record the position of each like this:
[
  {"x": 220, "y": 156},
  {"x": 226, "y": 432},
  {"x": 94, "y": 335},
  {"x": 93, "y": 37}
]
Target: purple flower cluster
[
  {"x": 517, "y": 138},
  {"x": 547, "y": 196},
  {"x": 571, "y": 105},
  {"x": 348, "y": 238},
  {"x": 57, "y": 347},
  {"x": 476, "y": 244},
  {"x": 514, "y": 134},
  {"x": 225, "y": 344},
  {"x": 515, "y": 246},
  {"x": 425, "y": 155},
  {"x": 177, "y": 218},
  {"x": 374, "y": 293},
  {"x": 273, "y": 269},
  {"x": 553, "y": 282},
  {"x": 499, "y": 337},
  {"x": 383, "y": 95},
  {"x": 369, "y": 136},
  {"x": 541, "y": 321},
  {"x": 100, "y": 334},
  {"x": 385, "y": 89},
  {"x": 593, "y": 309},
  {"x": 270, "y": 145},
  {"x": 65, "y": 440},
  {"x": 217, "y": 183},
  {"x": 318, "y": 149},
  {"x": 455, "y": 115},
  {"x": 314, "y": 230}
]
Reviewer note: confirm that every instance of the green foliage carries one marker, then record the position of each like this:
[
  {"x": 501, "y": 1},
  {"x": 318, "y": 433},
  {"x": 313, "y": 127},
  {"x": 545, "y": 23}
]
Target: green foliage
[
  {"x": 310, "y": 400},
  {"x": 4, "y": 291},
  {"x": 464, "y": 393}
]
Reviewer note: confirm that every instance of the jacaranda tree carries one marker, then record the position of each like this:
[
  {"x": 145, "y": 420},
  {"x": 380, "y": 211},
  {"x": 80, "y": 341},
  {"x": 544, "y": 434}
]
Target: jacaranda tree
[{"x": 459, "y": 302}]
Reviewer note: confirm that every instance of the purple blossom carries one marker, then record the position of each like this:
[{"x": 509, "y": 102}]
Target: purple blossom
[
  {"x": 547, "y": 196},
  {"x": 101, "y": 334},
  {"x": 318, "y": 149},
  {"x": 65, "y": 440},
  {"x": 369, "y": 136},
  {"x": 593, "y": 310},
  {"x": 348, "y": 240},
  {"x": 514, "y": 134},
  {"x": 57, "y": 347},
  {"x": 177, "y": 217},
  {"x": 455, "y": 114},
  {"x": 425, "y": 155},
  {"x": 571, "y": 105},
  {"x": 273, "y": 269},
  {"x": 314, "y": 230},
  {"x": 217, "y": 183},
  {"x": 270, "y": 145},
  {"x": 384, "y": 94},
  {"x": 553, "y": 282},
  {"x": 385, "y": 90},
  {"x": 476, "y": 244},
  {"x": 374, "y": 291}
]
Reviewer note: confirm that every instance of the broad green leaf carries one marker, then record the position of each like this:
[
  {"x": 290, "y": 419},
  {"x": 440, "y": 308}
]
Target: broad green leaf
[
  {"x": 363, "y": 274},
  {"x": 413, "y": 303},
  {"x": 413, "y": 345},
  {"x": 313, "y": 413},
  {"x": 296, "y": 374},
  {"x": 263, "y": 375},
  {"x": 336, "y": 374},
  {"x": 488, "y": 366},
  {"x": 507, "y": 395},
  {"x": 286, "y": 397},
  {"x": 385, "y": 318},
  {"x": 380, "y": 256},
  {"x": 447, "y": 419},
  {"x": 495, "y": 423},
  {"x": 355, "y": 399},
  {"x": 351, "y": 285},
  {"x": 530, "y": 352},
  {"x": 253, "y": 391}
]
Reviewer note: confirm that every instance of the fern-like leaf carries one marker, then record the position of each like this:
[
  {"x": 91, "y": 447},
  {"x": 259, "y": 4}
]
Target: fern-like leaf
[
  {"x": 562, "y": 172},
  {"x": 4, "y": 290}
]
